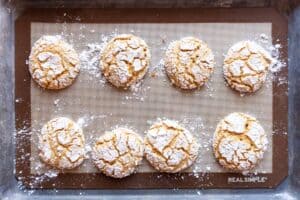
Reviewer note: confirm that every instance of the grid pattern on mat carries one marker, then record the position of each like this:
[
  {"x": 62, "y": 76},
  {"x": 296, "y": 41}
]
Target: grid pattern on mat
[{"x": 101, "y": 107}]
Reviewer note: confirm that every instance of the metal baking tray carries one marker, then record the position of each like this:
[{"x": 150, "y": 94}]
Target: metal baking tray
[{"x": 10, "y": 188}]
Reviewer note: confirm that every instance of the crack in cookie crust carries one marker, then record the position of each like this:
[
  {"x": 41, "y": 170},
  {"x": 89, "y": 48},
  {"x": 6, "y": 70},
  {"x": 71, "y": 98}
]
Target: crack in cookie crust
[
  {"x": 53, "y": 63},
  {"x": 189, "y": 63},
  {"x": 170, "y": 147},
  {"x": 239, "y": 142},
  {"x": 118, "y": 153},
  {"x": 125, "y": 60},
  {"x": 246, "y": 66},
  {"x": 61, "y": 144}
]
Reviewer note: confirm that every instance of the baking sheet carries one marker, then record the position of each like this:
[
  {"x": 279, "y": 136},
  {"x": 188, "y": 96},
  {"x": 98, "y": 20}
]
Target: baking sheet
[
  {"x": 143, "y": 180},
  {"x": 97, "y": 106}
]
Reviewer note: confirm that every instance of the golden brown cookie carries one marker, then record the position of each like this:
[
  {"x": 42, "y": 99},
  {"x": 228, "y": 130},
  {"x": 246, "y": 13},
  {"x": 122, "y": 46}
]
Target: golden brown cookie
[
  {"x": 169, "y": 147},
  {"x": 189, "y": 63},
  {"x": 61, "y": 144},
  {"x": 246, "y": 66},
  {"x": 53, "y": 63},
  {"x": 239, "y": 142},
  {"x": 125, "y": 60},
  {"x": 118, "y": 153}
]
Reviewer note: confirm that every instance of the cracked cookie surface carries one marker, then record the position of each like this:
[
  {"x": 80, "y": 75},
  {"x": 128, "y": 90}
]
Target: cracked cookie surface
[
  {"x": 246, "y": 66},
  {"x": 189, "y": 63},
  {"x": 61, "y": 144},
  {"x": 125, "y": 60},
  {"x": 53, "y": 63},
  {"x": 239, "y": 142},
  {"x": 118, "y": 153},
  {"x": 169, "y": 147}
]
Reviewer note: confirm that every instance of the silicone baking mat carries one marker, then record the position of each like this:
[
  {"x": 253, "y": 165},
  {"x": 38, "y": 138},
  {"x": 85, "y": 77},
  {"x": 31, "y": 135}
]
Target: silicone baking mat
[
  {"x": 97, "y": 106},
  {"x": 155, "y": 97}
]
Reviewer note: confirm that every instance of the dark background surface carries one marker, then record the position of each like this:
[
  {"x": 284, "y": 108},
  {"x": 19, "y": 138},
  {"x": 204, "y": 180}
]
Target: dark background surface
[{"x": 10, "y": 189}]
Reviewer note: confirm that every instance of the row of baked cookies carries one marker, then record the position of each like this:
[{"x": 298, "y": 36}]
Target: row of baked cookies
[
  {"x": 239, "y": 143},
  {"x": 189, "y": 63}
]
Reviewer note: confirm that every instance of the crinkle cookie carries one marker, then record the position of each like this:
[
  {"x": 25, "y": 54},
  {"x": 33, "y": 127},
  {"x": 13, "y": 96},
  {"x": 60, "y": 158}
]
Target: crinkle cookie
[
  {"x": 53, "y": 63},
  {"x": 118, "y": 153},
  {"x": 61, "y": 144},
  {"x": 125, "y": 60},
  {"x": 189, "y": 63},
  {"x": 169, "y": 147},
  {"x": 239, "y": 142},
  {"x": 246, "y": 66}
]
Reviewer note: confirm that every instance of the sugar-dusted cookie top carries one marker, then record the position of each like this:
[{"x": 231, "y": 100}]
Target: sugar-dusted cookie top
[
  {"x": 61, "y": 144},
  {"x": 170, "y": 147},
  {"x": 189, "y": 63},
  {"x": 125, "y": 60},
  {"x": 239, "y": 142},
  {"x": 53, "y": 63},
  {"x": 246, "y": 66},
  {"x": 117, "y": 153}
]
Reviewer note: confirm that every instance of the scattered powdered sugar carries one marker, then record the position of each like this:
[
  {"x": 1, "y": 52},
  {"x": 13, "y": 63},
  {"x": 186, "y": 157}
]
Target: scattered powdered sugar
[
  {"x": 83, "y": 121},
  {"x": 89, "y": 59},
  {"x": 56, "y": 101},
  {"x": 157, "y": 70},
  {"x": 278, "y": 64},
  {"x": 137, "y": 91},
  {"x": 86, "y": 120},
  {"x": 41, "y": 175},
  {"x": 18, "y": 100},
  {"x": 263, "y": 38},
  {"x": 197, "y": 126},
  {"x": 194, "y": 123},
  {"x": 274, "y": 49},
  {"x": 51, "y": 173}
]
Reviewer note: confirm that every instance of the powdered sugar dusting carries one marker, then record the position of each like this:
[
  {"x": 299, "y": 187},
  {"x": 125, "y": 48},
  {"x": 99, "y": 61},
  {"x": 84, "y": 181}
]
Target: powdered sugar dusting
[
  {"x": 239, "y": 142},
  {"x": 278, "y": 63},
  {"x": 61, "y": 144},
  {"x": 170, "y": 147},
  {"x": 189, "y": 63},
  {"x": 53, "y": 63},
  {"x": 246, "y": 65},
  {"x": 118, "y": 153},
  {"x": 125, "y": 60},
  {"x": 89, "y": 59}
]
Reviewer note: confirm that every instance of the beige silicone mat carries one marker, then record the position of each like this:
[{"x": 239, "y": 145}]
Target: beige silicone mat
[{"x": 99, "y": 107}]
